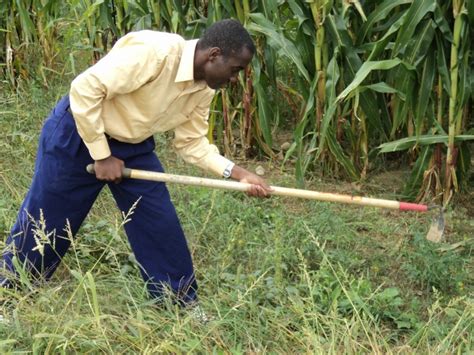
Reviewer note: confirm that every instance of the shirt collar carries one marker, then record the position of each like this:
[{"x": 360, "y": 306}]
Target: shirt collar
[{"x": 186, "y": 65}]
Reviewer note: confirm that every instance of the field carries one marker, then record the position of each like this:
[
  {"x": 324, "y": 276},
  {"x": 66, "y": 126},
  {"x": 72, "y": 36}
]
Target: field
[{"x": 278, "y": 275}]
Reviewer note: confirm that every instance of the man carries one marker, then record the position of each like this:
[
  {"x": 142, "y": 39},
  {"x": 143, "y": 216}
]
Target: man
[{"x": 149, "y": 82}]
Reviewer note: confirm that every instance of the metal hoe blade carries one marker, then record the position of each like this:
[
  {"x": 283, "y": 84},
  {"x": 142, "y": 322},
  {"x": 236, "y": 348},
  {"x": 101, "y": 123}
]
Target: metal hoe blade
[{"x": 435, "y": 234}]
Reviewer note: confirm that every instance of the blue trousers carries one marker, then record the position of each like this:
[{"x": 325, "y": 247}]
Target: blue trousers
[{"x": 63, "y": 192}]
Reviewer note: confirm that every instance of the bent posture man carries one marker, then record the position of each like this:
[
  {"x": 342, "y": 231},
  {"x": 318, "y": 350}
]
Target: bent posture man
[{"x": 149, "y": 82}]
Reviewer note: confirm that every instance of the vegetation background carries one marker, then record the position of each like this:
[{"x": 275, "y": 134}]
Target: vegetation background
[{"x": 377, "y": 93}]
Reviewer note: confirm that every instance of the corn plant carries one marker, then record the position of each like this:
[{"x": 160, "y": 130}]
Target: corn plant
[
  {"x": 29, "y": 28},
  {"x": 429, "y": 118}
]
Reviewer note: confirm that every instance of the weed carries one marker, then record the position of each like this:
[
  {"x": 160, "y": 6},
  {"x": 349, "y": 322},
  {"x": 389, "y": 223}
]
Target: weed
[{"x": 431, "y": 266}]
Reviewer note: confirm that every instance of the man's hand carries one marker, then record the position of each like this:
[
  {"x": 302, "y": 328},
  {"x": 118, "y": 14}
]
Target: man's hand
[
  {"x": 109, "y": 169},
  {"x": 259, "y": 188}
]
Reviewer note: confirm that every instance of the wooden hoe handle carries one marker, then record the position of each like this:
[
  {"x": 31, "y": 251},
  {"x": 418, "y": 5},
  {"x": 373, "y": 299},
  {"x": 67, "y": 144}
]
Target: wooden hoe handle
[{"x": 280, "y": 191}]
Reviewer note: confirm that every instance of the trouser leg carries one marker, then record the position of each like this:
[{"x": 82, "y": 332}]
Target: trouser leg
[
  {"x": 60, "y": 196},
  {"x": 154, "y": 232}
]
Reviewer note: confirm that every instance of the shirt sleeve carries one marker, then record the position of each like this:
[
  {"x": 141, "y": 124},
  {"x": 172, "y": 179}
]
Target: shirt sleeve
[
  {"x": 121, "y": 71},
  {"x": 192, "y": 144}
]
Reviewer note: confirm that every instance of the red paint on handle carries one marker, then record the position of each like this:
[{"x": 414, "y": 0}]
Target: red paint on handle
[{"x": 405, "y": 206}]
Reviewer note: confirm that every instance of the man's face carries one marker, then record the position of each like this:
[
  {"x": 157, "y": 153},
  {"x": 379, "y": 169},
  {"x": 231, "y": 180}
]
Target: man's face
[{"x": 220, "y": 70}]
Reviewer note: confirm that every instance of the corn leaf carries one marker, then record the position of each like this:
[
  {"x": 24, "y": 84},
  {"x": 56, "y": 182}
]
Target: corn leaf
[
  {"x": 405, "y": 80},
  {"x": 429, "y": 139},
  {"x": 278, "y": 41},
  {"x": 380, "y": 13},
  {"x": 424, "y": 92},
  {"x": 365, "y": 70},
  {"x": 368, "y": 101},
  {"x": 442, "y": 65},
  {"x": 470, "y": 12},
  {"x": 299, "y": 136},
  {"x": 416, "y": 177},
  {"x": 415, "y": 14},
  {"x": 385, "y": 89},
  {"x": 338, "y": 153}
]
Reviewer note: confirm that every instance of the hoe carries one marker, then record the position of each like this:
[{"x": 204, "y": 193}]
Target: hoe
[{"x": 435, "y": 232}]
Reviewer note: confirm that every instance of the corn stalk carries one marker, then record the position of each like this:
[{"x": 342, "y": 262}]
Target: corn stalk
[{"x": 455, "y": 97}]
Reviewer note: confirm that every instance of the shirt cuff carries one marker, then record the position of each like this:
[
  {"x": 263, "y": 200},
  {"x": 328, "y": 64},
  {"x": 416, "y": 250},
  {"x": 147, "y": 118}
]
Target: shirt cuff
[
  {"x": 218, "y": 163},
  {"x": 99, "y": 149}
]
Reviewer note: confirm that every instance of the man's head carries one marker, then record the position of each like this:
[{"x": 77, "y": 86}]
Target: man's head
[{"x": 225, "y": 49}]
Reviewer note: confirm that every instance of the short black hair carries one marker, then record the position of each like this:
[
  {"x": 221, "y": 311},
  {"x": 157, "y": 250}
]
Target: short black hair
[{"x": 228, "y": 35}]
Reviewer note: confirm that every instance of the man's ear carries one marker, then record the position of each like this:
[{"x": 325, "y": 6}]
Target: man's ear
[{"x": 213, "y": 53}]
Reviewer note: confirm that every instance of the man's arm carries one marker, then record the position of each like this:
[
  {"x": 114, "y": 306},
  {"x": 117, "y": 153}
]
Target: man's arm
[
  {"x": 193, "y": 146},
  {"x": 121, "y": 71}
]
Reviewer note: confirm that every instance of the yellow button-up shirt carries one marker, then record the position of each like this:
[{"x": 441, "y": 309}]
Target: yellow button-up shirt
[{"x": 145, "y": 85}]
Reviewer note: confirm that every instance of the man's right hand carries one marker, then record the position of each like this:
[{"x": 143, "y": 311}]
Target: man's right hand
[{"x": 109, "y": 169}]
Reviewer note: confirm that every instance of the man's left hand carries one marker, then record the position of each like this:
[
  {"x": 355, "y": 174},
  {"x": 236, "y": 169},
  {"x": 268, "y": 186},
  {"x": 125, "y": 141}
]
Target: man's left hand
[{"x": 258, "y": 188}]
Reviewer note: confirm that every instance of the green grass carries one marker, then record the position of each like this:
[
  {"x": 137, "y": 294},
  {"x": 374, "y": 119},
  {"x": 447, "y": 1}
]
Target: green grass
[{"x": 279, "y": 275}]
